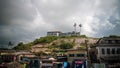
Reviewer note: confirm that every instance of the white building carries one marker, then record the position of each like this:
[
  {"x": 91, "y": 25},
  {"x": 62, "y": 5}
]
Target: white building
[
  {"x": 76, "y": 54},
  {"x": 58, "y": 33},
  {"x": 108, "y": 50},
  {"x": 53, "y": 33},
  {"x": 70, "y": 34}
]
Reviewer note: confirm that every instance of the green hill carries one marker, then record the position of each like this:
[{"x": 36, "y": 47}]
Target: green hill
[{"x": 64, "y": 42}]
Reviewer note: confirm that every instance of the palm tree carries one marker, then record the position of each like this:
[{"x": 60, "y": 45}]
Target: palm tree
[
  {"x": 80, "y": 25},
  {"x": 10, "y": 44},
  {"x": 75, "y": 27}
]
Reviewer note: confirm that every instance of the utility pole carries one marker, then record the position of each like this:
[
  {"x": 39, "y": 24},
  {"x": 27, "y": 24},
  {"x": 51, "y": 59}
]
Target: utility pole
[
  {"x": 80, "y": 25},
  {"x": 88, "y": 54}
]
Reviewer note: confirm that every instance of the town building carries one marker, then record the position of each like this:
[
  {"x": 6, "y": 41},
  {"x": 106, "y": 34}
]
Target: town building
[
  {"x": 53, "y": 33},
  {"x": 74, "y": 54},
  {"x": 59, "y": 33},
  {"x": 108, "y": 50},
  {"x": 77, "y": 57},
  {"x": 70, "y": 34}
]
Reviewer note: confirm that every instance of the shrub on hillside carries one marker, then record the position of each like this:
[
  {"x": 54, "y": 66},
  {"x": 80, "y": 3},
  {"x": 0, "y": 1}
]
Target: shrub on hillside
[
  {"x": 46, "y": 39},
  {"x": 66, "y": 45}
]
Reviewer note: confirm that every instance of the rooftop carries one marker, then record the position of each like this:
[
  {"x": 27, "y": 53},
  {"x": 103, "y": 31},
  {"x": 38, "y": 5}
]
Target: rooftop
[{"x": 109, "y": 41}]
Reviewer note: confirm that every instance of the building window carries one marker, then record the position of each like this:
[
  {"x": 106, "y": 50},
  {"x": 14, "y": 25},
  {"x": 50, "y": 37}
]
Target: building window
[
  {"x": 109, "y": 41},
  {"x": 108, "y": 51},
  {"x": 103, "y": 51},
  {"x": 71, "y": 55},
  {"x": 118, "y": 50},
  {"x": 80, "y": 55},
  {"x": 106, "y": 41},
  {"x": 113, "y": 51},
  {"x": 117, "y": 41}
]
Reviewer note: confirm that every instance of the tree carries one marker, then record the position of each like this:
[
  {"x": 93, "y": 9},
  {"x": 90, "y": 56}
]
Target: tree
[
  {"x": 113, "y": 36},
  {"x": 80, "y": 25},
  {"x": 22, "y": 46},
  {"x": 10, "y": 43},
  {"x": 19, "y": 46}
]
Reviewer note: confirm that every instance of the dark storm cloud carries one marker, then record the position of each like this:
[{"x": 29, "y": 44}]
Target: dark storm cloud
[
  {"x": 15, "y": 17},
  {"x": 15, "y": 9},
  {"x": 114, "y": 20}
]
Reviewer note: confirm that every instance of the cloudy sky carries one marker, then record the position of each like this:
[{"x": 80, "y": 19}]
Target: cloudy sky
[{"x": 26, "y": 20}]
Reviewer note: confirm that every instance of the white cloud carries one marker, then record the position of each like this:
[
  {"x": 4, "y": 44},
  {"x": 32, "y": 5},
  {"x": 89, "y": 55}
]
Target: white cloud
[{"x": 30, "y": 19}]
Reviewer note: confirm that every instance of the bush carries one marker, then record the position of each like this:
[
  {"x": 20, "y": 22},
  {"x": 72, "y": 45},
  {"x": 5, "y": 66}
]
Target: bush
[
  {"x": 65, "y": 45},
  {"x": 22, "y": 46},
  {"x": 46, "y": 39}
]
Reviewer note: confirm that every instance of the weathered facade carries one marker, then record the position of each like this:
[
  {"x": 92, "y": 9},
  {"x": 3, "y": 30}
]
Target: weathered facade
[
  {"x": 76, "y": 54},
  {"x": 108, "y": 50}
]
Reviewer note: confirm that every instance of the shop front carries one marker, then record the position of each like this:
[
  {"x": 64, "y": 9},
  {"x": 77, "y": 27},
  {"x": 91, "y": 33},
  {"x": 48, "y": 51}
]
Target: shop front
[{"x": 79, "y": 64}]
